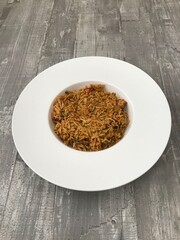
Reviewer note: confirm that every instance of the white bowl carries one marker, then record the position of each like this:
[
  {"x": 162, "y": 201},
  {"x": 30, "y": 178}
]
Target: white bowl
[{"x": 142, "y": 145}]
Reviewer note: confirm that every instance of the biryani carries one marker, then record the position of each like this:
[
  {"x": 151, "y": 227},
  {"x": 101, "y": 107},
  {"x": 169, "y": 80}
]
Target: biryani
[{"x": 89, "y": 119}]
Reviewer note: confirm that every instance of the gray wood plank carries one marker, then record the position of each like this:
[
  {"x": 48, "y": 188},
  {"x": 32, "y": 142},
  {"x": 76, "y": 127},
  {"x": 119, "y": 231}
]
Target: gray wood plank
[
  {"x": 140, "y": 45},
  {"x": 37, "y": 34},
  {"x": 21, "y": 38},
  {"x": 129, "y": 10},
  {"x": 85, "y": 35},
  {"x": 4, "y": 10},
  {"x": 109, "y": 39},
  {"x": 29, "y": 209},
  {"x": 104, "y": 215},
  {"x": 61, "y": 34},
  {"x": 157, "y": 201},
  {"x": 85, "y": 32}
]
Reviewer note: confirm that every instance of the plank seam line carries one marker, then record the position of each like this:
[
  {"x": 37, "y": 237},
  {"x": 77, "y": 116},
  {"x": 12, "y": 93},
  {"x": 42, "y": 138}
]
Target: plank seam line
[{"x": 44, "y": 40}]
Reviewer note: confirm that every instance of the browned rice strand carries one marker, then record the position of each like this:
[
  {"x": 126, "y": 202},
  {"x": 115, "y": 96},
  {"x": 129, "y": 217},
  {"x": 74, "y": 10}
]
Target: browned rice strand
[{"x": 89, "y": 119}]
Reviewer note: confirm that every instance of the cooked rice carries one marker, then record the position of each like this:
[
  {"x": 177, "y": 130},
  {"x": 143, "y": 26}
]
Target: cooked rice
[{"x": 89, "y": 119}]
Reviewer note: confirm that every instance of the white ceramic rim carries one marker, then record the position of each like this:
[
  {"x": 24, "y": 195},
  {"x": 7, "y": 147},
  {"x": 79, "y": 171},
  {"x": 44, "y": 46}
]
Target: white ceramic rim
[{"x": 135, "y": 154}]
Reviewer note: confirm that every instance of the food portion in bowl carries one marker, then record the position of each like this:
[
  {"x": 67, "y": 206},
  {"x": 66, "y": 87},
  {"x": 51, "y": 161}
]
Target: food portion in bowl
[{"x": 90, "y": 119}]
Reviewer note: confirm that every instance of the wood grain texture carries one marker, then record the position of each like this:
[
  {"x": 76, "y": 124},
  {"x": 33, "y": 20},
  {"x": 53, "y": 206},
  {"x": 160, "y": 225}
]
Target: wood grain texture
[
  {"x": 130, "y": 10},
  {"x": 21, "y": 38},
  {"x": 37, "y": 34},
  {"x": 61, "y": 34}
]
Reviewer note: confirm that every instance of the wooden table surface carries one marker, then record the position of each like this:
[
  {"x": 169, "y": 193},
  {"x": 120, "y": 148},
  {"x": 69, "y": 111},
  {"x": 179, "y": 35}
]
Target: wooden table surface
[{"x": 35, "y": 34}]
